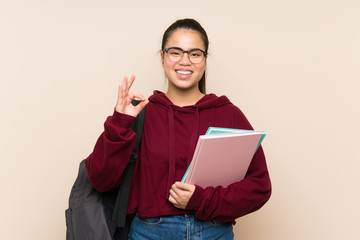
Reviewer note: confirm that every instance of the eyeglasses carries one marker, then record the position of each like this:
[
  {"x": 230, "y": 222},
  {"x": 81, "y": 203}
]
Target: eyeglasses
[{"x": 176, "y": 54}]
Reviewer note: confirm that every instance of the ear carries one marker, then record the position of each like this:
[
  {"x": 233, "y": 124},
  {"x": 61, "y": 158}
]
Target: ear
[{"x": 162, "y": 57}]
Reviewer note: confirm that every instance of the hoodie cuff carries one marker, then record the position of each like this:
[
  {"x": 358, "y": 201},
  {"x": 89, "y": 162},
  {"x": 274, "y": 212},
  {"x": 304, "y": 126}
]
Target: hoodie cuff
[
  {"x": 121, "y": 119},
  {"x": 196, "y": 199},
  {"x": 117, "y": 126}
]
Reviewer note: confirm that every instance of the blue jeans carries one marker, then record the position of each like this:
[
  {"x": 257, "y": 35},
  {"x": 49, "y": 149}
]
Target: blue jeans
[{"x": 179, "y": 227}]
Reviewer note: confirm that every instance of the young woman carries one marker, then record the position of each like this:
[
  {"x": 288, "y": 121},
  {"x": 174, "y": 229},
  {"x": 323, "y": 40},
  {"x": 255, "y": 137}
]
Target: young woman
[{"x": 166, "y": 208}]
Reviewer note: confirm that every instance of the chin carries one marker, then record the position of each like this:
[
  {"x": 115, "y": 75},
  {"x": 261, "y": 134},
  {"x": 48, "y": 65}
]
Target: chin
[{"x": 184, "y": 87}]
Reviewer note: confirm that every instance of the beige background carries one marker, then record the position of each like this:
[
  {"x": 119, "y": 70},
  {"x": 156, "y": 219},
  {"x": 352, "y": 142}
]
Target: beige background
[{"x": 292, "y": 66}]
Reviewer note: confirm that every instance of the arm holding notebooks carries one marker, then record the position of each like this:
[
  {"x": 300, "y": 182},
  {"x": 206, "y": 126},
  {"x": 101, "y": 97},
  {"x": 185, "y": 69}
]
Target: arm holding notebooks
[
  {"x": 239, "y": 198},
  {"x": 236, "y": 200}
]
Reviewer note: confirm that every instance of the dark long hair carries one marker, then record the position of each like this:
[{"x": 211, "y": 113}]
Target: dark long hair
[{"x": 192, "y": 24}]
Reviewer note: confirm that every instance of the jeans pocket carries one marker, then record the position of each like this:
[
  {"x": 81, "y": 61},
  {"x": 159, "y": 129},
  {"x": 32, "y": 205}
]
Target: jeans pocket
[{"x": 151, "y": 221}]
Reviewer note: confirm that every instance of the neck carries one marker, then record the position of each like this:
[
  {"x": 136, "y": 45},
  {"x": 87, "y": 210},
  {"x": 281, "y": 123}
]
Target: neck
[{"x": 183, "y": 98}]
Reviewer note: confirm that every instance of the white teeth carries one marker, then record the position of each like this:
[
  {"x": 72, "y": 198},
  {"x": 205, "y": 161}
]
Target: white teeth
[{"x": 184, "y": 72}]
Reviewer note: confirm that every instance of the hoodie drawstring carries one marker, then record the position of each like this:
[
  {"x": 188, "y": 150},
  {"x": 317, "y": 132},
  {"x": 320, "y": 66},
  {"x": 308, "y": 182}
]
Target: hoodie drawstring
[
  {"x": 194, "y": 136},
  {"x": 171, "y": 179}
]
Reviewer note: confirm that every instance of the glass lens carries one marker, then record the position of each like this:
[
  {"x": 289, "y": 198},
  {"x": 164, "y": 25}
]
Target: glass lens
[
  {"x": 196, "y": 56},
  {"x": 175, "y": 54}
]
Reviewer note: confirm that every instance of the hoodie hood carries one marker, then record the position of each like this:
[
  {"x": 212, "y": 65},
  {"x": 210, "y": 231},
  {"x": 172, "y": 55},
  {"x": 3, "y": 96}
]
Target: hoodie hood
[{"x": 175, "y": 114}]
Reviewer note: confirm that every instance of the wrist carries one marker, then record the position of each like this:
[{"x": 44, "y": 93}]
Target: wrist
[{"x": 196, "y": 199}]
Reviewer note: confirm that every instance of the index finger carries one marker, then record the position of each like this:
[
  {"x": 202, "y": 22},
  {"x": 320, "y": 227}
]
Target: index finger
[
  {"x": 126, "y": 85},
  {"x": 131, "y": 81},
  {"x": 183, "y": 186}
]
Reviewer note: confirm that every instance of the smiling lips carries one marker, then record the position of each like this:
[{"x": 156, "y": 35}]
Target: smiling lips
[{"x": 183, "y": 72}]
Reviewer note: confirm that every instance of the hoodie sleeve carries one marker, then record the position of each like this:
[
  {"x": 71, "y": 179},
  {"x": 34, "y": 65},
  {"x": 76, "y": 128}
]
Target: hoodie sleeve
[
  {"x": 111, "y": 153},
  {"x": 240, "y": 198}
]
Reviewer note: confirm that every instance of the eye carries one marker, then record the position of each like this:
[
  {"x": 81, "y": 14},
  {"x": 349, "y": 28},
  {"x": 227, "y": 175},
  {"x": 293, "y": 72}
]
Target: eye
[
  {"x": 196, "y": 53},
  {"x": 175, "y": 52}
]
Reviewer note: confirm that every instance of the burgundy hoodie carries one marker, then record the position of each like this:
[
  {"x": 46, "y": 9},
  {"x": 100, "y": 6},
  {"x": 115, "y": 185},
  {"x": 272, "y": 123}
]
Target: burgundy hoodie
[{"x": 166, "y": 149}]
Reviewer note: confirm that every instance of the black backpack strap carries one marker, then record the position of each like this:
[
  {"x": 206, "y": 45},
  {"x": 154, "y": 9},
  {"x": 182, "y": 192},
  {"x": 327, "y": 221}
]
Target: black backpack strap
[{"x": 120, "y": 209}]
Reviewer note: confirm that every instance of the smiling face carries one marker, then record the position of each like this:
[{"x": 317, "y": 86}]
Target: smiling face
[{"x": 183, "y": 75}]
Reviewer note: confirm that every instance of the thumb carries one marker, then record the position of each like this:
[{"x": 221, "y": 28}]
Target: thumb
[{"x": 141, "y": 105}]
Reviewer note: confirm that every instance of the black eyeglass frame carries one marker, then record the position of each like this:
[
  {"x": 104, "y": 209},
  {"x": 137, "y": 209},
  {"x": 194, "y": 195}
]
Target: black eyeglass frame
[{"x": 188, "y": 51}]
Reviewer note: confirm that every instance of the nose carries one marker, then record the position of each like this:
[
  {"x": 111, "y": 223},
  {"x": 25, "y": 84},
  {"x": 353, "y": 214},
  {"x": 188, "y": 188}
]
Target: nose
[{"x": 185, "y": 60}]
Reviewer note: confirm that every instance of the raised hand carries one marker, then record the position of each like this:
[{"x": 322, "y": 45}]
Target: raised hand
[{"x": 123, "y": 103}]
